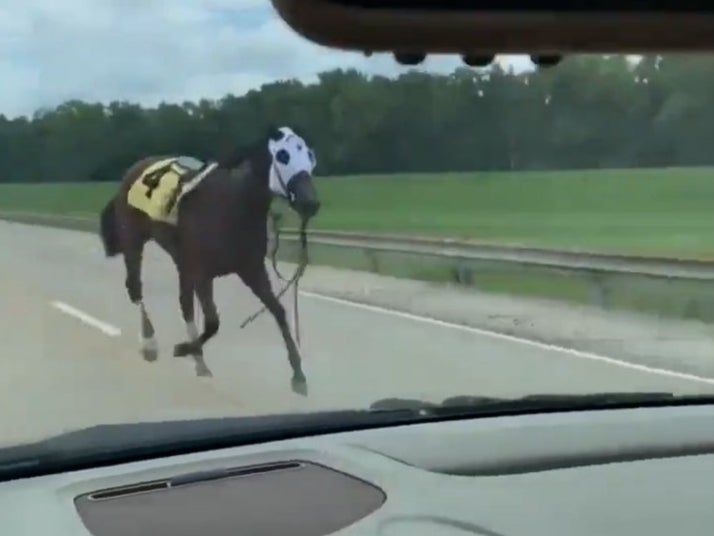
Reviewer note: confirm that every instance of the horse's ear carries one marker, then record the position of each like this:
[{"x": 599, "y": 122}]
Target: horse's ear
[
  {"x": 274, "y": 133},
  {"x": 301, "y": 132}
]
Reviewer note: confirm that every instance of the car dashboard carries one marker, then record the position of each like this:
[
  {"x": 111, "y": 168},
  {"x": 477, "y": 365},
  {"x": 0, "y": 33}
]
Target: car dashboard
[{"x": 616, "y": 472}]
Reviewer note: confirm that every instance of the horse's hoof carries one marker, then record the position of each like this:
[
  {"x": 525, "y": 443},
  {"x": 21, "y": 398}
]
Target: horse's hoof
[
  {"x": 150, "y": 355},
  {"x": 202, "y": 371},
  {"x": 299, "y": 385}
]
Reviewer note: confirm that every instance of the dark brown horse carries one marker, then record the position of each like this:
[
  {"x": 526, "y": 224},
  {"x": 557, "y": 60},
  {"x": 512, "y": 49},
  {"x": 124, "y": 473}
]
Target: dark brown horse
[{"x": 221, "y": 229}]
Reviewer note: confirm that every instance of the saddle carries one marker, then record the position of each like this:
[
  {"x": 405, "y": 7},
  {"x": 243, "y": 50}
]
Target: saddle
[{"x": 157, "y": 190}]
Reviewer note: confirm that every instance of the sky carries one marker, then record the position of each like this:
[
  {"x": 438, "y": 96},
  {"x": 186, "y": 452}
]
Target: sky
[{"x": 149, "y": 51}]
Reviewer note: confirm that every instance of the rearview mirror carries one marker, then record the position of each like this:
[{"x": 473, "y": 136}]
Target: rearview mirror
[{"x": 412, "y": 28}]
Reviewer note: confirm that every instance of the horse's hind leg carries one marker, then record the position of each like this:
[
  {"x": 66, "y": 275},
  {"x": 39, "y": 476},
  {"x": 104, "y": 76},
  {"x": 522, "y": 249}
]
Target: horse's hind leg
[
  {"x": 259, "y": 283},
  {"x": 149, "y": 346},
  {"x": 133, "y": 248},
  {"x": 167, "y": 238},
  {"x": 194, "y": 346}
]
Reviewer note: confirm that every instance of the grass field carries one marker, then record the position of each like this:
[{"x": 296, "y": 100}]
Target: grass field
[{"x": 659, "y": 212}]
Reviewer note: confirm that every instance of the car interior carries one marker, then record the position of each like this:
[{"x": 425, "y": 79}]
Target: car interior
[{"x": 623, "y": 468}]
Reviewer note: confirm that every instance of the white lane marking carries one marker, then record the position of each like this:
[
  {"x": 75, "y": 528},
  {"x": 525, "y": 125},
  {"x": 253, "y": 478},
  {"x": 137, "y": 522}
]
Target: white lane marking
[
  {"x": 105, "y": 328},
  {"x": 512, "y": 338}
]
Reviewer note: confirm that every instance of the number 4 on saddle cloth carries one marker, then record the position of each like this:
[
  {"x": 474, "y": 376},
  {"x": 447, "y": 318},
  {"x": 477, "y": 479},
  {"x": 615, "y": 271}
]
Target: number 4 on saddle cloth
[{"x": 157, "y": 190}]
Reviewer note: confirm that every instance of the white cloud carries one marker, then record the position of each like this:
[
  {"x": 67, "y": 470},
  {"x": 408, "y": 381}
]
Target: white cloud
[{"x": 154, "y": 50}]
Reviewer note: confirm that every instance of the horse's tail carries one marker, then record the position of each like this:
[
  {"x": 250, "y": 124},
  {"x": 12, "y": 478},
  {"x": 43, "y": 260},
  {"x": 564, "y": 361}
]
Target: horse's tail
[{"x": 108, "y": 230}]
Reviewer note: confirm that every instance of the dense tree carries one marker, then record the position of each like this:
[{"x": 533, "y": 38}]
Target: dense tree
[{"x": 591, "y": 111}]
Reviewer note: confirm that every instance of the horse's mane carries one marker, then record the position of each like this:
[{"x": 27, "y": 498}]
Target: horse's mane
[{"x": 235, "y": 156}]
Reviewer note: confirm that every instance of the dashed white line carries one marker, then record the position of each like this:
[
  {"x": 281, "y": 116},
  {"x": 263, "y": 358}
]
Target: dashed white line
[
  {"x": 512, "y": 338},
  {"x": 88, "y": 319}
]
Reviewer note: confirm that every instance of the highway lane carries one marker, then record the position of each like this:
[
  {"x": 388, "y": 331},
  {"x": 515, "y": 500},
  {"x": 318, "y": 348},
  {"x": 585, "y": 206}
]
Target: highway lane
[{"x": 58, "y": 372}]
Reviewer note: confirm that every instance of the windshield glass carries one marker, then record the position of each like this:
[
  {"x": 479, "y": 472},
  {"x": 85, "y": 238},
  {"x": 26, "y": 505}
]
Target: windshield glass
[{"x": 492, "y": 232}]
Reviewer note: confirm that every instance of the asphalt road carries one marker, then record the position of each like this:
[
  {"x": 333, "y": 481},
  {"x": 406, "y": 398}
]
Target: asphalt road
[{"x": 69, "y": 349}]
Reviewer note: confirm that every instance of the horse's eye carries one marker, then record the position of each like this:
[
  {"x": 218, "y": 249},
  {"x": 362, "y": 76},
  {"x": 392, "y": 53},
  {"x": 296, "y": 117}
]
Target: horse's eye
[
  {"x": 312, "y": 155},
  {"x": 282, "y": 156}
]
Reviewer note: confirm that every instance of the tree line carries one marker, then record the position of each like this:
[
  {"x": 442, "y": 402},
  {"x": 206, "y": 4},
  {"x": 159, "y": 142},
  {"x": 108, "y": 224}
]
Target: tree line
[{"x": 588, "y": 112}]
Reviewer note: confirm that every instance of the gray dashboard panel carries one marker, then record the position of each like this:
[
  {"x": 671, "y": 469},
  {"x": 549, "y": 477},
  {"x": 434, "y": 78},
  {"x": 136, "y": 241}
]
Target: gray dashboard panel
[
  {"x": 435, "y": 482},
  {"x": 295, "y": 497}
]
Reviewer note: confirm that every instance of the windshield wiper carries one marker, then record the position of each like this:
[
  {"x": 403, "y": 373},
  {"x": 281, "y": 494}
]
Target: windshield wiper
[{"x": 466, "y": 405}]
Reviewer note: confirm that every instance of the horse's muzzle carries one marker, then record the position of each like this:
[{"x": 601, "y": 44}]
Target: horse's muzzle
[
  {"x": 303, "y": 195},
  {"x": 309, "y": 209}
]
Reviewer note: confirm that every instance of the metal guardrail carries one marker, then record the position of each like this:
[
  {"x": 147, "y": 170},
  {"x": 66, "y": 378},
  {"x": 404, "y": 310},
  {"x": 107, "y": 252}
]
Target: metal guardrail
[
  {"x": 592, "y": 263},
  {"x": 463, "y": 249},
  {"x": 680, "y": 288},
  {"x": 673, "y": 287}
]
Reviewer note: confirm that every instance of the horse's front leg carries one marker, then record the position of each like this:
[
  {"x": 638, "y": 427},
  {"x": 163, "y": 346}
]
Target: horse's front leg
[{"x": 259, "y": 283}]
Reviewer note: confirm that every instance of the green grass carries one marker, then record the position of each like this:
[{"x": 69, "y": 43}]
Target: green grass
[
  {"x": 651, "y": 212},
  {"x": 634, "y": 211}
]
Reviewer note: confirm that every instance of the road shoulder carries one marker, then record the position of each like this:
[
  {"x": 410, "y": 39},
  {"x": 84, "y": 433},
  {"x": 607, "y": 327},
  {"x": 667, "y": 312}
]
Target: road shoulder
[{"x": 680, "y": 345}]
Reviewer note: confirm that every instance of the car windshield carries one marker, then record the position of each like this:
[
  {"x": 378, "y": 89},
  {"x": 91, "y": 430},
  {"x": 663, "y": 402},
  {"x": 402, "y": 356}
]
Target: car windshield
[{"x": 202, "y": 214}]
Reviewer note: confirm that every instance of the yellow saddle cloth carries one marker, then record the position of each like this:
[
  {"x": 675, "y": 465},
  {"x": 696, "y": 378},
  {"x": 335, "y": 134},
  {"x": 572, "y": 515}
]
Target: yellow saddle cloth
[{"x": 156, "y": 190}]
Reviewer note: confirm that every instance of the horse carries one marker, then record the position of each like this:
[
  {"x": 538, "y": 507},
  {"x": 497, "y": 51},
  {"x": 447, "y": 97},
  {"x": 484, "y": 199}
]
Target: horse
[{"x": 220, "y": 229}]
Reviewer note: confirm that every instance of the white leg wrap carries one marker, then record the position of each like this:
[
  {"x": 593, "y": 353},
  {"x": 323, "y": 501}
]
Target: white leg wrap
[{"x": 149, "y": 344}]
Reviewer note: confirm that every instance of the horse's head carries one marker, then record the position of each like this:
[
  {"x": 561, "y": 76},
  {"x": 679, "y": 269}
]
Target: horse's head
[{"x": 293, "y": 162}]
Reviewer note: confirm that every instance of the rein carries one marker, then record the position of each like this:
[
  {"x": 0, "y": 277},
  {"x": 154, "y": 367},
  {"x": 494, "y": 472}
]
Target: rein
[
  {"x": 275, "y": 217},
  {"x": 292, "y": 282},
  {"x": 299, "y": 271}
]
